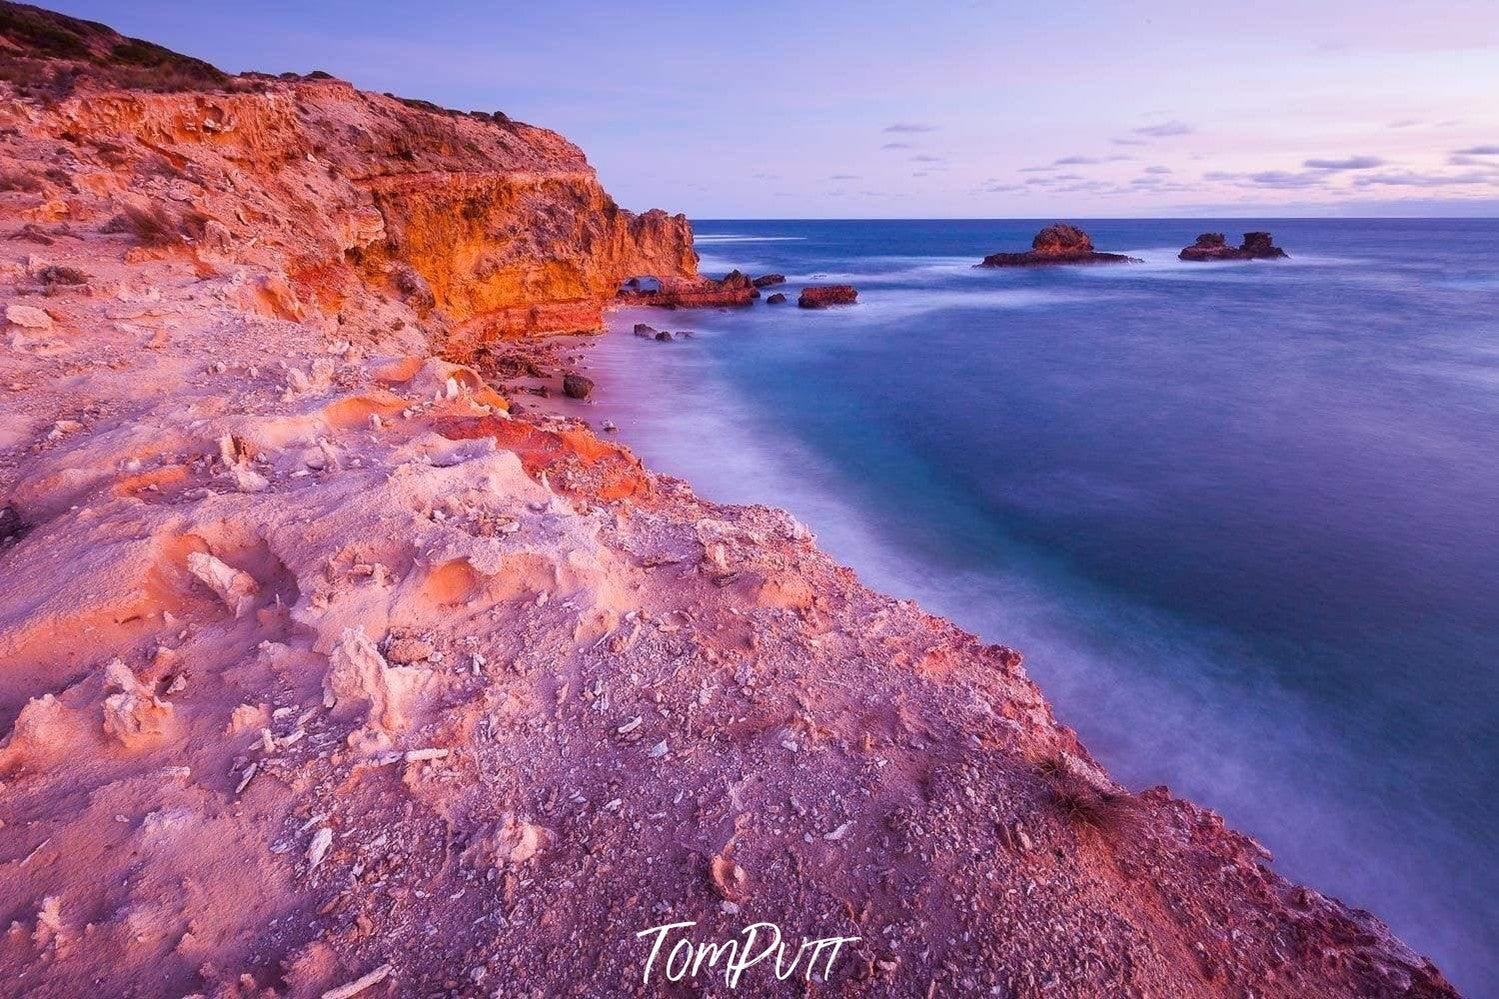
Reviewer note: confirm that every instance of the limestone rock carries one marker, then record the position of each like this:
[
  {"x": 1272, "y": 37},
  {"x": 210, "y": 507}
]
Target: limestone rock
[
  {"x": 821, "y": 296},
  {"x": 1057, "y": 244},
  {"x": 133, "y": 715},
  {"x": 1212, "y": 246},
  {"x": 28, "y": 316},
  {"x": 235, "y": 587}
]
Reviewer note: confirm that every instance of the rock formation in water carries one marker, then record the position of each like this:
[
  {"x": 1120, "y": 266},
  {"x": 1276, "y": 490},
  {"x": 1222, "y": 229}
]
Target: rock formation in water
[
  {"x": 733, "y": 289},
  {"x": 822, "y": 296},
  {"x": 1057, "y": 244},
  {"x": 1213, "y": 246},
  {"x": 326, "y": 670}
]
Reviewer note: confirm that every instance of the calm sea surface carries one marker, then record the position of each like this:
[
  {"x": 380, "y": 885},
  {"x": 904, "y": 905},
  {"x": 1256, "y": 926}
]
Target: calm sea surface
[{"x": 1242, "y": 519}]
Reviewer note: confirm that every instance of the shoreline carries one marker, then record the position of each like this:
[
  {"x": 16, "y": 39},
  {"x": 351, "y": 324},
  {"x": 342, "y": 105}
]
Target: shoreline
[{"x": 323, "y": 670}]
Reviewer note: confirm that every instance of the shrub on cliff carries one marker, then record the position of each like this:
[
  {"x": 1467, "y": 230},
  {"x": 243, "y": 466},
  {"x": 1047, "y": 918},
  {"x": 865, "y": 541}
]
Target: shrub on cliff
[{"x": 158, "y": 225}]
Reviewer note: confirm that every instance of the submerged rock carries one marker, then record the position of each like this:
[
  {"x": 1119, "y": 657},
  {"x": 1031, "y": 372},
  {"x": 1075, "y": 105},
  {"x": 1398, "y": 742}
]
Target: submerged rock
[
  {"x": 766, "y": 280},
  {"x": 1213, "y": 246},
  {"x": 820, "y": 296},
  {"x": 1057, "y": 244},
  {"x": 575, "y": 386},
  {"x": 776, "y": 299}
]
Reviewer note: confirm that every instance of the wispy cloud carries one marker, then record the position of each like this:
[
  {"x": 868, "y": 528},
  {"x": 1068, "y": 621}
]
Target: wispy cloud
[
  {"x": 1409, "y": 179},
  {"x": 844, "y": 176},
  {"x": 1287, "y": 179},
  {"x": 910, "y": 126},
  {"x": 926, "y": 158},
  {"x": 1479, "y": 151},
  {"x": 1346, "y": 163},
  {"x": 1157, "y": 169},
  {"x": 1128, "y": 142},
  {"x": 1076, "y": 161},
  {"x": 898, "y": 145},
  {"x": 1165, "y": 129}
]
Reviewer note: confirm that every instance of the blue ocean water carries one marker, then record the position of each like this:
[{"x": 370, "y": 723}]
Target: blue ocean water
[{"x": 1242, "y": 519}]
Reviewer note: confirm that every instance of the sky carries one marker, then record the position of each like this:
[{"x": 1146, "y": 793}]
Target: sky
[{"x": 931, "y": 110}]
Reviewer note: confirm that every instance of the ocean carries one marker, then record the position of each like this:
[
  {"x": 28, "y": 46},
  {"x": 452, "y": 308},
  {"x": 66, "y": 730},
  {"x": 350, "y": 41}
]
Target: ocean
[{"x": 1242, "y": 519}]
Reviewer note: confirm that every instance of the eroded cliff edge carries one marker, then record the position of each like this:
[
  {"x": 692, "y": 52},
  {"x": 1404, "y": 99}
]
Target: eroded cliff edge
[{"x": 315, "y": 663}]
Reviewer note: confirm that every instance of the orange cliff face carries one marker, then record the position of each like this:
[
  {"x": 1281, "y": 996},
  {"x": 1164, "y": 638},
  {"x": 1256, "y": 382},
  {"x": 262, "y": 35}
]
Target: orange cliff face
[{"x": 491, "y": 228}]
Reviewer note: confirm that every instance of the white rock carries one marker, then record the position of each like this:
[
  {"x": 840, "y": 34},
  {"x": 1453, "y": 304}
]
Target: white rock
[
  {"x": 29, "y": 316},
  {"x": 318, "y": 848},
  {"x": 236, "y": 588}
]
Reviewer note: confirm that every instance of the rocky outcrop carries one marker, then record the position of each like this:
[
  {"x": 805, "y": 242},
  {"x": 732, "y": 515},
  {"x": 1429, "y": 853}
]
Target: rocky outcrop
[
  {"x": 490, "y": 227},
  {"x": 1212, "y": 246},
  {"x": 733, "y": 289},
  {"x": 822, "y": 296},
  {"x": 1057, "y": 244},
  {"x": 776, "y": 299},
  {"x": 767, "y": 280}
]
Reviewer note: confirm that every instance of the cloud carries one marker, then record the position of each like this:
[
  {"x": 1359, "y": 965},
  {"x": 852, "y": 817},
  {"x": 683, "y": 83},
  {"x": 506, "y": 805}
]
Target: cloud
[
  {"x": 924, "y": 158},
  {"x": 844, "y": 176},
  {"x": 1347, "y": 163},
  {"x": 1075, "y": 161},
  {"x": 1404, "y": 123},
  {"x": 1157, "y": 169},
  {"x": 1128, "y": 142},
  {"x": 1462, "y": 159},
  {"x": 910, "y": 126},
  {"x": 1165, "y": 129},
  {"x": 1425, "y": 179},
  {"x": 996, "y": 188},
  {"x": 1286, "y": 179},
  {"x": 1479, "y": 151},
  {"x": 898, "y": 145}
]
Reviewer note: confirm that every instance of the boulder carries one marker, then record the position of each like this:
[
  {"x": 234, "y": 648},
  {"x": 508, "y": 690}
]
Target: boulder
[
  {"x": 664, "y": 336},
  {"x": 641, "y": 329},
  {"x": 575, "y": 386},
  {"x": 821, "y": 296},
  {"x": 1213, "y": 246},
  {"x": 766, "y": 280},
  {"x": 775, "y": 299},
  {"x": 28, "y": 316},
  {"x": 1057, "y": 244}
]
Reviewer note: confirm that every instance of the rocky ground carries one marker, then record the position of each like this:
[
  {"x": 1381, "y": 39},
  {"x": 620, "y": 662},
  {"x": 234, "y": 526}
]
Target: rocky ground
[{"x": 321, "y": 670}]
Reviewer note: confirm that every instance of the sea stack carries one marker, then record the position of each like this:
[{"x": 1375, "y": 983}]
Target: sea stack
[
  {"x": 821, "y": 296},
  {"x": 1057, "y": 244},
  {"x": 1213, "y": 246}
]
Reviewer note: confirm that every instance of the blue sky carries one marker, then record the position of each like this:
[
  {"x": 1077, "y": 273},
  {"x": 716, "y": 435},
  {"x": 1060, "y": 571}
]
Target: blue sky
[{"x": 875, "y": 109}]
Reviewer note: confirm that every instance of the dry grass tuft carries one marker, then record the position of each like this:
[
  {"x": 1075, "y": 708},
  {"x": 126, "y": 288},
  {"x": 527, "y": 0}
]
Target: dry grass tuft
[
  {"x": 1080, "y": 802},
  {"x": 158, "y": 225}
]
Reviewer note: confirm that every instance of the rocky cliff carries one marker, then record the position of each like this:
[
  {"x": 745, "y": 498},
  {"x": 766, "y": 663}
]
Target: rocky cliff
[
  {"x": 325, "y": 671},
  {"x": 497, "y": 227}
]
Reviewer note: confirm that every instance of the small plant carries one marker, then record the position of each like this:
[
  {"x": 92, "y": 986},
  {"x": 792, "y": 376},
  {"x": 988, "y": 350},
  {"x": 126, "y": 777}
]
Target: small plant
[
  {"x": 158, "y": 226},
  {"x": 57, "y": 274},
  {"x": 19, "y": 180},
  {"x": 1080, "y": 802}
]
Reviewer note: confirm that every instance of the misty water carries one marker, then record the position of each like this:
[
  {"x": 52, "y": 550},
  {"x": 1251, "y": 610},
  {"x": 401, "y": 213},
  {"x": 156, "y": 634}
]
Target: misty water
[{"x": 1242, "y": 519}]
